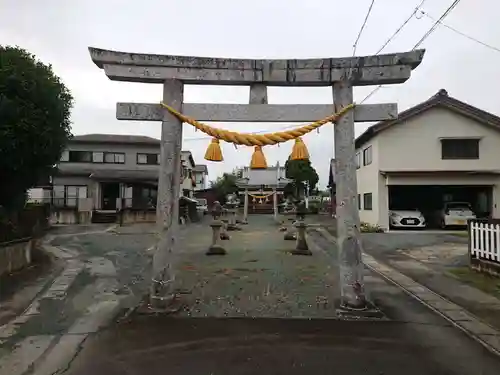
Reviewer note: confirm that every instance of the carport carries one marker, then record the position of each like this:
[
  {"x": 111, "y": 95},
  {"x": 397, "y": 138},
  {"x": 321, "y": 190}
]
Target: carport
[{"x": 428, "y": 191}]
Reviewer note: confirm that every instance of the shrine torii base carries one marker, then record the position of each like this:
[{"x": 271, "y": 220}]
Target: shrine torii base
[{"x": 339, "y": 73}]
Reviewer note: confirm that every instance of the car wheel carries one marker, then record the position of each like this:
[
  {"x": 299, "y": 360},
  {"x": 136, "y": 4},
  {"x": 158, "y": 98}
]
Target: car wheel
[{"x": 443, "y": 224}]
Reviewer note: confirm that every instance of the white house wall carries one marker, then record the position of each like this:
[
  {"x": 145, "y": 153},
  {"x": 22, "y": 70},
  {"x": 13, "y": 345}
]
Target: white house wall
[
  {"x": 415, "y": 144},
  {"x": 367, "y": 178}
]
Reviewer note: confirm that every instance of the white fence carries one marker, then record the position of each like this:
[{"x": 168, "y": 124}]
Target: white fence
[{"x": 484, "y": 239}]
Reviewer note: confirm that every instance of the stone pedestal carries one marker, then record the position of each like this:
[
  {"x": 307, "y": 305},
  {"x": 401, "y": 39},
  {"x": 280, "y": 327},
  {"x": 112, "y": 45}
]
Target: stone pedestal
[
  {"x": 301, "y": 247},
  {"x": 215, "y": 248},
  {"x": 231, "y": 226},
  {"x": 223, "y": 230},
  {"x": 290, "y": 234},
  {"x": 162, "y": 298}
]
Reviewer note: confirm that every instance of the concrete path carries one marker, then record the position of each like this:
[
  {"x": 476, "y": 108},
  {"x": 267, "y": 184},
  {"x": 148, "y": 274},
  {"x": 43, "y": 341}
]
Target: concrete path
[
  {"x": 431, "y": 264},
  {"x": 78, "y": 300},
  {"x": 438, "y": 298}
]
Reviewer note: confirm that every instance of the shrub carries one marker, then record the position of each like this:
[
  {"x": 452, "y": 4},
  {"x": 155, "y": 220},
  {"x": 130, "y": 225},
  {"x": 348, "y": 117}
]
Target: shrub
[{"x": 369, "y": 228}]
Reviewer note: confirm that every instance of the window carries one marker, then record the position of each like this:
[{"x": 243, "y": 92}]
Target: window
[
  {"x": 68, "y": 195},
  {"x": 114, "y": 157},
  {"x": 367, "y": 155},
  {"x": 367, "y": 201},
  {"x": 65, "y": 155},
  {"x": 152, "y": 159},
  {"x": 359, "y": 202},
  {"x": 98, "y": 157},
  {"x": 459, "y": 149},
  {"x": 358, "y": 160},
  {"x": 80, "y": 156}
]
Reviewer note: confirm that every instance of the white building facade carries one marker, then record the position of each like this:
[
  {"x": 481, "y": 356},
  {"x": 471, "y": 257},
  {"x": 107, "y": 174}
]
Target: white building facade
[{"x": 442, "y": 149}]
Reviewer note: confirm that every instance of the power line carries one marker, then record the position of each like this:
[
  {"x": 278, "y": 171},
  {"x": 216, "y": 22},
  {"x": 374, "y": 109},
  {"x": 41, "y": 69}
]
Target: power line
[
  {"x": 401, "y": 27},
  {"x": 461, "y": 33},
  {"x": 426, "y": 35},
  {"x": 355, "y": 46},
  {"x": 436, "y": 24}
]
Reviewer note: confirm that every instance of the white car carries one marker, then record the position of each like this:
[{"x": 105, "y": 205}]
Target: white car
[
  {"x": 456, "y": 214},
  {"x": 411, "y": 218},
  {"x": 202, "y": 206}
]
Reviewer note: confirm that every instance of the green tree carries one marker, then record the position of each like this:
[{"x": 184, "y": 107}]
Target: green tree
[
  {"x": 303, "y": 174},
  {"x": 34, "y": 122},
  {"x": 224, "y": 185}
]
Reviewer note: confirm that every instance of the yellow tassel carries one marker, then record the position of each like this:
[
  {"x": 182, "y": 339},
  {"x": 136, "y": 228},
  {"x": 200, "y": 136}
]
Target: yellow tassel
[
  {"x": 258, "y": 159},
  {"x": 299, "y": 150},
  {"x": 214, "y": 152}
]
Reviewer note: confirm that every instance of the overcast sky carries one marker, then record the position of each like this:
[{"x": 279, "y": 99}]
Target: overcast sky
[{"x": 59, "y": 32}]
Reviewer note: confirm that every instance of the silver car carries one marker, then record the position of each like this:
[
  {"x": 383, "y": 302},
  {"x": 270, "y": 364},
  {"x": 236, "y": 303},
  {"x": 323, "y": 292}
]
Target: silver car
[{"x": 409, "y": 218}]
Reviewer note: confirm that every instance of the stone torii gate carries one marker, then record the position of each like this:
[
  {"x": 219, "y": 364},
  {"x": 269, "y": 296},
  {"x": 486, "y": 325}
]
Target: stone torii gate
[{"x": 340, "y": 73}]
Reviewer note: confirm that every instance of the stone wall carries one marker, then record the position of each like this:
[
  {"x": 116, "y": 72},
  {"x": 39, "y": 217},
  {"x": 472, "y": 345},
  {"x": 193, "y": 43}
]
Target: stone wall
[
  {"x": 15, "y": 255},
  {"x": 70, "y": 216},
  {"x": 139, "y": 216},
  {"x": 485, "y": 266}
]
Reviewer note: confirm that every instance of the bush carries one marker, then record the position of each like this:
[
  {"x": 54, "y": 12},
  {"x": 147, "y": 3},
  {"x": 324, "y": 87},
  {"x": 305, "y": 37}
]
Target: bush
[
  {"x": 369, "y": 228},
  {"x": 29, "y": 222},
  {"x": 313, "y": 208}
]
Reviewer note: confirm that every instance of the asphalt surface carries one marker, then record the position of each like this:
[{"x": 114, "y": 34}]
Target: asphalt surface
[{"x": 413, "y": 340}]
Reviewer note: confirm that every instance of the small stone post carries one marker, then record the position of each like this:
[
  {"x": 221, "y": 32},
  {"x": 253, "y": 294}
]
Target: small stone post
[
  {"x": 301, "y": 247},
  {"x": 275, "y": 205},
  {"x": 167, "y": 211},
  {"x": 290, "y": 234},
  {"x": 215, "y": 248},
  {"x": 245, "y": 208},
  {"x": 348, "y": 223},
  {"x": 223, "y": 230}
]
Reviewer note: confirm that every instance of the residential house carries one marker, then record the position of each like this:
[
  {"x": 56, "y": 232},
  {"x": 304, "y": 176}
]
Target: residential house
[
  {"x": 440, "y": 150},
  {"x": 200, "y": 172},
  {"x": 104, "y": 172}
]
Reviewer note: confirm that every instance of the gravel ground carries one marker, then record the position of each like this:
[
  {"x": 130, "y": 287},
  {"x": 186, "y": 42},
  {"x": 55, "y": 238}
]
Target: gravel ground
[{"x": 258, "y": 277}]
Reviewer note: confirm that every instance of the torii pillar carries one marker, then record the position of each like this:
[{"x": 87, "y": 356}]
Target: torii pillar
[{"x": 340, "y": 73}]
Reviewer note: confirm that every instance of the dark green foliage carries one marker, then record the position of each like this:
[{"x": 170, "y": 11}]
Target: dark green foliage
[
  {"x": 303, "y": 175},
  {"x": 34, "y": 122},
  {"x": 224, "y": 185}
]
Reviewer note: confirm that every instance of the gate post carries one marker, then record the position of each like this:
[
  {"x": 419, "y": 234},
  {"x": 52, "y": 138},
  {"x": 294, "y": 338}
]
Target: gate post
[
  {"x": 167, "y": 210},
  {"x": 348, "y": 223}
]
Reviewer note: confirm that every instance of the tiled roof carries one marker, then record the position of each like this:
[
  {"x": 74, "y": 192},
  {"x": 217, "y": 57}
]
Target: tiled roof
[
  {"x": 441, "y": 99},
  {"x": 115, "y": 138},
  {"x": 200, "y": 168}
]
